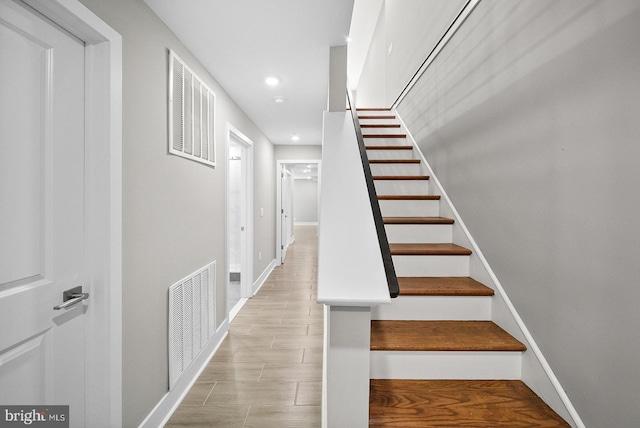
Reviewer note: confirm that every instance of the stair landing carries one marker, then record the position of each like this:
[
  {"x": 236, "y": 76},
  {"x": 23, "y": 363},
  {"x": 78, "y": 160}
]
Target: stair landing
[{"x": 458, "y": 403}]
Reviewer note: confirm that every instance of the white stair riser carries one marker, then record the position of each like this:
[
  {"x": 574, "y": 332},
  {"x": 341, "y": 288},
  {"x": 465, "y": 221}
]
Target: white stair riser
[
  {"x": 433, "y": 308},
  {"x": 386, "y": 142},
  {"x": 377, "y": 122},
  {"x": 419, "y": 233},
  {"x": 402, "y": 187},
  {"x": 445, "y": 365},
  {"x": 377, "y": 119},
  {"x": 431, "y": 265},
  {"x": 395, "y": 169},
  {"x": 385, "y": 131},
  {"x": 390, "y": 154},
  {"x": 413, "y": 208}
]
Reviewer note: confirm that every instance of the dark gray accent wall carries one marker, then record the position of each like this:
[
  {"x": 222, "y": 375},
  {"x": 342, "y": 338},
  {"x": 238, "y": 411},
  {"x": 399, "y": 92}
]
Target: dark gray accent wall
[
  {"x": 173, "y": 208},
  {"x": 530, "y": 119}
]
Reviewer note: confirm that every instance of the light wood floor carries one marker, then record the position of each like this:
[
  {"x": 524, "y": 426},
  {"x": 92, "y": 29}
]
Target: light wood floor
[{"x": 268, "y": 371}]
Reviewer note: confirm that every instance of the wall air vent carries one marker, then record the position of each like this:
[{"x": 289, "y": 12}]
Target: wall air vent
[
  {"x": 191, "y": 114},
  {"x": 191, "y": 318}
]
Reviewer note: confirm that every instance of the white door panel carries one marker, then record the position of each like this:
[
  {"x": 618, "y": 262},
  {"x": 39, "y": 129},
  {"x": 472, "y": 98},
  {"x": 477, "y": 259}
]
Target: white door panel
[
  {"x": 286, "y": 211},
  {"x": 41, "y": 211}
]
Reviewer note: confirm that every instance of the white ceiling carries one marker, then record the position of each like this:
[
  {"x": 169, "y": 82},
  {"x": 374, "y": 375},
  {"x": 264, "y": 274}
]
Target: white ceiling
[{"x": 241, "y": 42}]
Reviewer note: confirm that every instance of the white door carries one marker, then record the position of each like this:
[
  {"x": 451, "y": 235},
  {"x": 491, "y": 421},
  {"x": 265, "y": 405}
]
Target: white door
[
  {"x": 286, "y": 212},
  {"x": 239, "y": 217},
  {"x": 236, "y": 222},
  {"x": 42, "y": 204}
]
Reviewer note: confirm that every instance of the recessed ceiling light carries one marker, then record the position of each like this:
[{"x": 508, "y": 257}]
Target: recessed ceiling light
[
  {"x": 272, "y": 81},
  {"x": 349, "y": 39},
  {"x": 278, "y": 100},
  {"x": 294, "y": 137}
]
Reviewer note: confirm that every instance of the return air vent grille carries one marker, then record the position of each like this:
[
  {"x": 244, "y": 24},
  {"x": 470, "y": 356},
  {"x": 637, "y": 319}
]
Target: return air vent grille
[
  {"x": 191, "y": 318},
  {"x": 191, "y": 114}
]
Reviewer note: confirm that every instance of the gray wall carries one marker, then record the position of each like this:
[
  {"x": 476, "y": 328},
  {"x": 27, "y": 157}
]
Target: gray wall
[
  {"x": 298, "y": 152},
  {"x": 530, "y": 120},
  {"x": 161, "y": 245},
  {"x": 305, "y": 195}
]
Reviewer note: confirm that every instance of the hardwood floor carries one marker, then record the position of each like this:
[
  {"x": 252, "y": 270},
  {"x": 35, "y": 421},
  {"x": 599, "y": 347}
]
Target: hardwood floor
[
  {"x": 268, "y": 371},
  {"x": 458, "y": 403}
]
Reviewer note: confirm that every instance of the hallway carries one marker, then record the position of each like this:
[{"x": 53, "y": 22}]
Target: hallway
[{"x": 268, "y": 370}]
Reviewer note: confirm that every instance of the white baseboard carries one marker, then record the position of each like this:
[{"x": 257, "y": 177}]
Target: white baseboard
[
  {"x": 162, "y": 412},
  {"x": 234, "y": 311},
  {"x": 305, "y": 223},
  {"x": 263, "y": 276}
]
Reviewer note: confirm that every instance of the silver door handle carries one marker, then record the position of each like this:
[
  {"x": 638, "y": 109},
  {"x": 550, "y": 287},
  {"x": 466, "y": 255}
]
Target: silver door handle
[{"x": 71, "y": 297}]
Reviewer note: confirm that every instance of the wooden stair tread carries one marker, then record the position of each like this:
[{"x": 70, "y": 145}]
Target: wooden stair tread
[
  {"x": 393, "y": 335},
  {"x": 442, "y": 286},
  {"x": 380, "y": 125},
  {"x": 394, "y": 160},
  {"x": 400, "y": 177},
  {"x": 389, "y": 147},
  {"x": 372, "y": 109},
  {"x": 409, "y": 197},
  {"x": 384, "y": 136},
  {"x": 417, "y": 220},
  {"x": 388, "y": 116},
  {"x": 458, "y": 403},
  {"x": 428, "y": 250}
]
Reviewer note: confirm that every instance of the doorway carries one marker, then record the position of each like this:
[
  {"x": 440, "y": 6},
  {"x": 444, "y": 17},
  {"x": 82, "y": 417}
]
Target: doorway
[
  {"x": 239, "y": 220},
  {"x": 298, "y": 190}
]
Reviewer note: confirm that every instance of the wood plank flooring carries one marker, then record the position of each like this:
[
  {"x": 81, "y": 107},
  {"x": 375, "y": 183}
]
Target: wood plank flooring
[{"x": 268, "y": 370}]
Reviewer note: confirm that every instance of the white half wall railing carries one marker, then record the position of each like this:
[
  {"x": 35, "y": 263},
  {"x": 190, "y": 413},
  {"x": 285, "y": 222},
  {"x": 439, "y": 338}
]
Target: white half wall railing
[{"x": 351, "y": 275}]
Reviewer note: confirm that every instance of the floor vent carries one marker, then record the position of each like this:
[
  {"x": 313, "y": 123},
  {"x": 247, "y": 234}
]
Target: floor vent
[{"x": 191, "y": 318}]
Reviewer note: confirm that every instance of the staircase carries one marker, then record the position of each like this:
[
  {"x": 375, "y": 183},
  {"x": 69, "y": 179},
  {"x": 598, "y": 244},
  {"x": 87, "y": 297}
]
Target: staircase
[{"x": 437, "y": 359}]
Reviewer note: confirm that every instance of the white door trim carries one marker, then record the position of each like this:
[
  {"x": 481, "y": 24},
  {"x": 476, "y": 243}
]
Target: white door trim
[
  {"x": 279, "y": 164},
  {"x": 103, "y": 160},
  {"x": 247, "y": 257}
]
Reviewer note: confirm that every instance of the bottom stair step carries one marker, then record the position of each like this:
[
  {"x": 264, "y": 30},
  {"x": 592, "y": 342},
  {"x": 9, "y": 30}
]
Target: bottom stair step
[{"x": 458, "y": 403}]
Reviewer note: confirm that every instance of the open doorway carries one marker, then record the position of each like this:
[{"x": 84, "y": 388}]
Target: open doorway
[
  {"x": 239, "y": 220},
  {"x": 298, "y": 189}
]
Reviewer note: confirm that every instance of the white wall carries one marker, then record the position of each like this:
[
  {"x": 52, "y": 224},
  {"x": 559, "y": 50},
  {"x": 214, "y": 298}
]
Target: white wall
[
  {"x": 413, "y": 27},
  {"x": 173, "y": 208},
  {"x": 405, "y": 33},
  {"x": 530, "y": 119},
  {"x": 305, "y": 195},
  {"x": 363, "y": 25},
  {"x": 371, "y": 89},
  {"x": 298, "y": 152}
]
